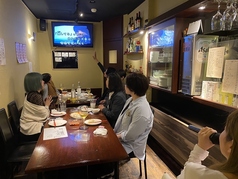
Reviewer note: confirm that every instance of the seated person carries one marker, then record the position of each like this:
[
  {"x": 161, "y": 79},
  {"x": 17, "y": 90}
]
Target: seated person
[
  {"x": 35, "y": 110},
  {"x": 116, "y": 99},
  {"x": 49, "y": 87},
  {"x": 122, "y": 74},
  {"x": 107, "y": 71},
  {"x": 136, "y": 119},
  {"x": 229, "y": 148}
]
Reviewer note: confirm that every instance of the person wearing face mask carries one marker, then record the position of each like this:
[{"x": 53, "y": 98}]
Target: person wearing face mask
[
  {"x": 228, "y": 146},
  {"x": 35, "y": 110}
]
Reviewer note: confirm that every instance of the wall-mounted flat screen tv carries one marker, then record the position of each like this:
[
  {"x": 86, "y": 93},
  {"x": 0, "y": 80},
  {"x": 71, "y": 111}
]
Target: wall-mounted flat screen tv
[{"x": 70, "y": 34}]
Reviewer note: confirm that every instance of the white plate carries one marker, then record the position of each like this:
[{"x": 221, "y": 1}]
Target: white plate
[
  {"x": 94, "y": 110},
  {"x": 57, "y": 123},
  {"x": 58, "y": 114},
  {"x": 92, "y": 122},
  {"x": 75, "y": 115}
]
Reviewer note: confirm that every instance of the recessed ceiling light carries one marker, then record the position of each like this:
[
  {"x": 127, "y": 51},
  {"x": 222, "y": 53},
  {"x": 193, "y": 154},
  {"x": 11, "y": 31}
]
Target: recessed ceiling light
[
  {"x": 94, "y": 10},
  {"x": 81, "y": 14},
  {"x": 92, "y": 1}
]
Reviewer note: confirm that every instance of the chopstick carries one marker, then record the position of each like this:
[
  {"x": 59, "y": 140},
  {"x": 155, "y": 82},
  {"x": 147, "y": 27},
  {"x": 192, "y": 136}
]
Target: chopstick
[{"x": 54, "y": 122}]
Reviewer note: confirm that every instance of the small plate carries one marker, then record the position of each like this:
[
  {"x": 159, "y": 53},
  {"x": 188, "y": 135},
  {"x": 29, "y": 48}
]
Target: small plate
[
  {"x": 92, "y": 122},
  {"x": 75, "y": 115},
  {"x": 57, "y": 123},
  {"x": 56, "y": 114},
  {"x": 94, "y": 110}
]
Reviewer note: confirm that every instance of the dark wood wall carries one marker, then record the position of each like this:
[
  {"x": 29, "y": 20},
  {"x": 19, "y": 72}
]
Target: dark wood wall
[
  {"x": 113, "y": 40},
  {"x": 171, "y": 140}
]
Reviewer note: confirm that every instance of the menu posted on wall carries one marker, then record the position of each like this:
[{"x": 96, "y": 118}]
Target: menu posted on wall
[
  {"x": 230, "y": 79},
  {"x": 215, "y": 62}
]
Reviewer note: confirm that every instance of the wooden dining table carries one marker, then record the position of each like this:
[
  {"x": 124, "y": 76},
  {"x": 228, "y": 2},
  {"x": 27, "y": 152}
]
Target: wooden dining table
[{"x": 62, "y": 153}]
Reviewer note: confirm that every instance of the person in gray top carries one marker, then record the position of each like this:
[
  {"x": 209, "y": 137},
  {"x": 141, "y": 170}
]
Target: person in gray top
[
  {"x": 116, "y": 99},
  {"x": 136, "y": 119}
]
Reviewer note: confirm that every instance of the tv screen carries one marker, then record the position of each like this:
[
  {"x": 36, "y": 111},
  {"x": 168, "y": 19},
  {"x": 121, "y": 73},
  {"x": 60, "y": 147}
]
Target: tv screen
[{"x": 69, "y": 34}]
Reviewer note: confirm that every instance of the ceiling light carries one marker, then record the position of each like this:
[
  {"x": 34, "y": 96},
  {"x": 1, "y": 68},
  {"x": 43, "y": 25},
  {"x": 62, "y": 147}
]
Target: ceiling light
[
  {"x": 92, "y": 1},
  {"x": 81, "y": 14},
  {"x": 94, "y": 10}
]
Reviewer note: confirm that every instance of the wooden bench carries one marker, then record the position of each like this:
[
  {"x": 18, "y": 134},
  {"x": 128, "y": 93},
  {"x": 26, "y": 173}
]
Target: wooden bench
[{"x": 172, "y": 142}]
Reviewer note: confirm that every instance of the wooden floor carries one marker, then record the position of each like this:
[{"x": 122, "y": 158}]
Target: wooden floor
[
  {"x": 130, "y": 170},
  {"x": 155, "y": 167}
]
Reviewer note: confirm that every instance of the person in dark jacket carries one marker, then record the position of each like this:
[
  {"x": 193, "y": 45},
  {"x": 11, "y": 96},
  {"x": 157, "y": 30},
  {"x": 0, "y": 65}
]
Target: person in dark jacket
[
  {"x": 105, "y": 72},
  {"x": 116, "y": 99}
]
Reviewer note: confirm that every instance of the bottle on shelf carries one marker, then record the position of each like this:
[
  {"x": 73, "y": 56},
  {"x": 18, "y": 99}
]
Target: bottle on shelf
[
  {"x": 129, "y": 26},
  {"x": 78, "y": 90},
  {"x": 138, "y": 20},
  {"x": 141, "y": 70},
  {"x": 132, "y": 24},
  {"x": 73, "y": 92}
]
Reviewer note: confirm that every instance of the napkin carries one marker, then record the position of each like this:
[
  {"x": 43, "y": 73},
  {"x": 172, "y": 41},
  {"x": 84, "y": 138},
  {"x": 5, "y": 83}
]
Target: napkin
[{"x": 100, "y": 131}]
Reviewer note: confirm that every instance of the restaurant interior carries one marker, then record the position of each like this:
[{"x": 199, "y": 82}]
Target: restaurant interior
[{"x": 28, "y": 44}]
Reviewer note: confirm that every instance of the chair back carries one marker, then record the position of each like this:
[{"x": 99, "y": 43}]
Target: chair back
[
  {"x": 7, "y": 140},
  {"x": 14, "y": 116}
]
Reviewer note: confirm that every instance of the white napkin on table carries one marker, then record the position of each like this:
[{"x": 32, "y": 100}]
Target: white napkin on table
[{"x": 100, "y": 131}]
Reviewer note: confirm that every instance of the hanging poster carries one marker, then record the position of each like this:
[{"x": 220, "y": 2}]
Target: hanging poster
[
  {"x": 230, "y": 79},
  {"x": 2, "y": 52},
  {"x": 215, "y": 62},
  {"x": 21, "y": 53}
]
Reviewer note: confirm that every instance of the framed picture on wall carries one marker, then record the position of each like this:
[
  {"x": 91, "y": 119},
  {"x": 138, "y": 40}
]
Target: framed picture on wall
[{"x": 65, "y": 59}]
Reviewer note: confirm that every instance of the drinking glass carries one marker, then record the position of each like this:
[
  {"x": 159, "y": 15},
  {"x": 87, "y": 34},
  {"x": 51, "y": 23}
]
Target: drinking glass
[
  {"x": 228, "y": 15},
  {"x": 83, "y": 113},
  {"x": 235, "y": 20},
  {"x": 88, "y": 90},
  {"x": 216, "y": 22}
]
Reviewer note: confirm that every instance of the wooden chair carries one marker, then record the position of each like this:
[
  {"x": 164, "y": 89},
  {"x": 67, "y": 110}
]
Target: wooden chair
[
  {"x": 11, "y": 153},
  {"x": 145, "y": 168}
]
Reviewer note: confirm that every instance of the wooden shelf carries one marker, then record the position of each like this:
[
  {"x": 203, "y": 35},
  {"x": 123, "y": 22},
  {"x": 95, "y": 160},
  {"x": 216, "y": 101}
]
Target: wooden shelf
[
  {"x": 134, "y": 32},
  {"x": 130, "y": 53},
  {"x": 213, "y": 104}
]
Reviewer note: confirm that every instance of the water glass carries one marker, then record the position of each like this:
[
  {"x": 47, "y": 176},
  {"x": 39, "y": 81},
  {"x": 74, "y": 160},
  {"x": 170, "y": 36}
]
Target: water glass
[
  {"x": 63, "y": 106},
  {"x": 93, "y": 103}
]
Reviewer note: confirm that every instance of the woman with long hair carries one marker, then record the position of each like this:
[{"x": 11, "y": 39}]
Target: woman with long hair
[{"x": 229, "y": 148}]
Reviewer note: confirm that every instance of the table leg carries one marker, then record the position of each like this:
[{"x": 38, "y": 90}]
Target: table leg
[{"x": 116, "y": 170}]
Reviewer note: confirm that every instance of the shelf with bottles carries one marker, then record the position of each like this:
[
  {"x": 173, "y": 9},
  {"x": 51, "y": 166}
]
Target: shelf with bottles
[
  {"x": 134, "y": 26},
  {"x": 133, "y": 47},
  {"x": 131, "y": 53},
  {"x": 136, "y": 32}
]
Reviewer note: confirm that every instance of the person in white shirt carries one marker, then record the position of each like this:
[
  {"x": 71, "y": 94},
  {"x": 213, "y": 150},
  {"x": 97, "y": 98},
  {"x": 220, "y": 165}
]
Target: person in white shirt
[
  {"x": 193, "y": 169},
  {"x": 136, "y": 119}
]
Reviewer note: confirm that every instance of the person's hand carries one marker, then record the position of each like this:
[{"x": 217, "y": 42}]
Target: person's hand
[
  {"x": 48, "y": 101},
  {"x": 101, "y": 106},
  {"x": 119, "y": 136},
  {"x": 102, "y": 101},
  {"x": 95, "y": 57},
  {"x": 203, "y": 138}
]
